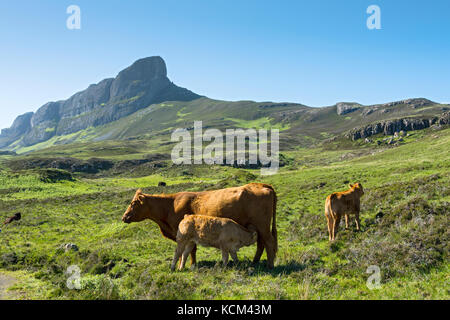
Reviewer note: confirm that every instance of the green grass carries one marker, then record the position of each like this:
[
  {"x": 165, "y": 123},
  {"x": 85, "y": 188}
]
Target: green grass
[
  {"x": 263, "y": 123},
  {"x": 409, "y": 184}
]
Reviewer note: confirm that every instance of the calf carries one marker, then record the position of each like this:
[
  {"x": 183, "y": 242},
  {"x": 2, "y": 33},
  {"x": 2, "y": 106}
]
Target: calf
[
  {"x": 221, "y": 233},
  {"x": 343, "y": 203}
]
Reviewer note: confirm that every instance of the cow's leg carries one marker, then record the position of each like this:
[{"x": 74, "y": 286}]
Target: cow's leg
[
  {"x": 234, "y": 256},
  {"x": 186, "y": 252},
  {"x": 178, "y": 252},
  {"x": 259, "y": 249},
  {"x": 193, "y": 257},
  {"x": 346, "y": 220},
  {"x": 358, "y": 223},
  {"x": 336, "y": 222},
  {"x": 330, "y": 228},
  {"x": 269, "y": 244},
  {"x": 224, "y": 256}
]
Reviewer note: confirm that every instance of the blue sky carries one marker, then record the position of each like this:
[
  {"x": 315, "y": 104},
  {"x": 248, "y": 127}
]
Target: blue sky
[{"x": 312, "y": 52}]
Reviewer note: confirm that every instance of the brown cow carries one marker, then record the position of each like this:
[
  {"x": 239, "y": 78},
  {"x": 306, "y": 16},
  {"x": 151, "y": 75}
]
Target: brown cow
[
  {"x": 343, "y": 203},
  {"x": 220, "y": 233},
  {"x": 252, "y": 204}
]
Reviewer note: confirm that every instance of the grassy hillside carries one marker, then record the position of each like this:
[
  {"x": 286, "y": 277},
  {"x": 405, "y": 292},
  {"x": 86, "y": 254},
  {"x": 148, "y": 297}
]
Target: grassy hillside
[
  {"x": 152, "y": 126},
  {"x": 405, "y": 218}
]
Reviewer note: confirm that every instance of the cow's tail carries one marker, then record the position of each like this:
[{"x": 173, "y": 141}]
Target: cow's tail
[
  {"x": 274, "y": 216},
  {"x": 274, "y": 220},
  {"x": 328, "y": 201}
]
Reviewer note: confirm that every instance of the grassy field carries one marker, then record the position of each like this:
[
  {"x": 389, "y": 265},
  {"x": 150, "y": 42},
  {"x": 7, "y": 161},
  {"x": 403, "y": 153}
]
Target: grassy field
[{"x": 405, "y": 228}]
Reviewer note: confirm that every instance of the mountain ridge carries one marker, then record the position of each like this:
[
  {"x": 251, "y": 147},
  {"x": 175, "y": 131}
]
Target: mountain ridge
[
  {"x": 143, "y": 83},
  {"x": 141, "y": 101}
]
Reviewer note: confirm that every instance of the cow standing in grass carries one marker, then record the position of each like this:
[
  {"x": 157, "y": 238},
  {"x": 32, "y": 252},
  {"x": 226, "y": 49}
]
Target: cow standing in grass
[
  {"x": 253, "y": 204},
  {"x": 220, "y": 233},
  {"x": 344, "y": 203}
]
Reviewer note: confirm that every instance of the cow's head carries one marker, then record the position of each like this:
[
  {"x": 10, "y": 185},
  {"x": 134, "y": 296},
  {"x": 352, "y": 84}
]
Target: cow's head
[
  {"x": 137, "y": 210},
  {"x": 251, "y": 236},
  {"x": 358, "y": 188}
]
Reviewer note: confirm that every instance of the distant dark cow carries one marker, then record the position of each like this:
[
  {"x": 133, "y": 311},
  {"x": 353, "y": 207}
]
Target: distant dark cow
[
  {"x": 16, "y": 217},
  {"x": 344, "y": 203},
  {"x": 220, "y": 233},
  {"x": 162, "y": 184},
  {"x": 253, "y": 204}
]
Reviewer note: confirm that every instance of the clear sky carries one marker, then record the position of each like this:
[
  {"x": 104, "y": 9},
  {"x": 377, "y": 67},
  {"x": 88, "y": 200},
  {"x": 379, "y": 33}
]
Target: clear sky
[{"x": 311, "y": 52}]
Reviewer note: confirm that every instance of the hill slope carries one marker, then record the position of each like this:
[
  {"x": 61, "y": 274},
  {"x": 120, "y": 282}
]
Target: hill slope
[
  {"x": 405, "y": 230},
  {"x": 299, "y": 125},
  {"x": 142, "y": 103}
]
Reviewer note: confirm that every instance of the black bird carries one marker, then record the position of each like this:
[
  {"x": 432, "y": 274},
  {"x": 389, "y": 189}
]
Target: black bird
[{"x": 16, "y": 217}]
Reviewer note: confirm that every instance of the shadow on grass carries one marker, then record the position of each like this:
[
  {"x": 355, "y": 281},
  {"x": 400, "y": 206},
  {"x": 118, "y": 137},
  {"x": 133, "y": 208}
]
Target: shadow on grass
[{"x": 254, "y": 269}]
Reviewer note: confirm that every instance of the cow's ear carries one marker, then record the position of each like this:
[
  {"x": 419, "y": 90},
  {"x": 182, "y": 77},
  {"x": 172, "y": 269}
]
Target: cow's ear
[
  {"x": 351, "y": 185},
  {"x": 140, "y": 198},
  {"x": 139, "y": 191}
]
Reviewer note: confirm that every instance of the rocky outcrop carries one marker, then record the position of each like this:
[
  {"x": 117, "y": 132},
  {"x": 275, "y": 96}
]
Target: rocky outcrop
[
  {"x": 348, "y": 107},
  {"x": 390, "y": 127},
  {"x": 20, "y": 126},
  {"x": 414, "y": 103},
  {"x": 344, "y": 107},
  {"x": 43, "y": 124},
  {"x": 145, "y": 82}
]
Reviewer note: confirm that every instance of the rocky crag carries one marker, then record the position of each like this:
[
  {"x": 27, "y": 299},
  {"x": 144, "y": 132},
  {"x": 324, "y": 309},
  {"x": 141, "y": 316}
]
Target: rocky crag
[
  {"x": 389, "y": 127},
  {"x": 145, "y": 82}
]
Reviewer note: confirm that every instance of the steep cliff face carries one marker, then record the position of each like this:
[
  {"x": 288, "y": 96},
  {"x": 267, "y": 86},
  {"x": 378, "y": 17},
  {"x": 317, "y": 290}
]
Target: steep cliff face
[
  {"x": 143, "y": 83},
  {"x": 389, "y": 127},
  {"x": 21, "y": 125}
]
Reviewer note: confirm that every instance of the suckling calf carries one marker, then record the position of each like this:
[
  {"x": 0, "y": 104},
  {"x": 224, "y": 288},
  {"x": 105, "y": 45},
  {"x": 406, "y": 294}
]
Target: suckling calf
[{"x": 221, "y": 233}]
